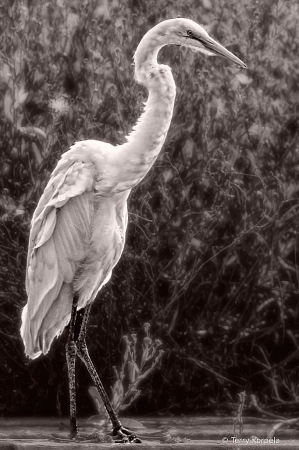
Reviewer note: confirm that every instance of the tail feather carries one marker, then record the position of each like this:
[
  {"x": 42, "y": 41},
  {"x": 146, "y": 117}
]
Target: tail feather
[{"x": 39, "y": 330}]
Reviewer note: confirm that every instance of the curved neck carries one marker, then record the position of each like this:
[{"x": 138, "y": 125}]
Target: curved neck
[
  {"x": 146, "y": 54},
  {"x": 144, "y": 144}
]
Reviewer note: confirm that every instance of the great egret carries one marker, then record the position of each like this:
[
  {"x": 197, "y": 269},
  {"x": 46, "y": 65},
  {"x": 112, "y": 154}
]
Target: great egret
[{"x": 78, "y": 228}]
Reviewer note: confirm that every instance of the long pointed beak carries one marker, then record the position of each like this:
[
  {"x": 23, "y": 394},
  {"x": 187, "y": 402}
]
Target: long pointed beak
[{"x": 218, "y": 49}]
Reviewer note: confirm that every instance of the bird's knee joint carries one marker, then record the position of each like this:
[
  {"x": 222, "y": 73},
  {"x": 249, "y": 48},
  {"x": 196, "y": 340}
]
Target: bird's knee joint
[{"x": 70, "y": 347}]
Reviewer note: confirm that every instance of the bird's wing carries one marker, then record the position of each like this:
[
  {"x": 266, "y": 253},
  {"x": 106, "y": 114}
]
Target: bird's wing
[
  {"x": 69, "y": 180},
  {"x": 60, "y": 237},
  {"x": 58, "y": 242},
  {"x": 87, "y": 166}
]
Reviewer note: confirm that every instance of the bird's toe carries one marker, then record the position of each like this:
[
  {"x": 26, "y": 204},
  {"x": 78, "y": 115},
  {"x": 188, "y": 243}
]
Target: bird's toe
[{"x": 123, "y": 435}]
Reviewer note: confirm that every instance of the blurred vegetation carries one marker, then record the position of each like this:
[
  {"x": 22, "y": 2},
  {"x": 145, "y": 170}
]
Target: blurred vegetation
[
  {"x": 139, "y": 360},
  {"x": 211, "y": 254}
]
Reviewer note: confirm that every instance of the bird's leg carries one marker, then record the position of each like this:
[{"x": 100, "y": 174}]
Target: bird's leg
[
  {"x": 71, "y": 351},
  {"x": 120, "y": 434}
]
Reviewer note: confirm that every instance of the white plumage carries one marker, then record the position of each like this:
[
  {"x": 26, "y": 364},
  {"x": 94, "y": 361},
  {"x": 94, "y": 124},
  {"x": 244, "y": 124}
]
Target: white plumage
[{"x": 77, "y": 237}]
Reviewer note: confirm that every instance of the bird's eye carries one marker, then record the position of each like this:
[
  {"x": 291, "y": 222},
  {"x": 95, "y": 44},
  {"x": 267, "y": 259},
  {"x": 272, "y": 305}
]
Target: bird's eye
[{"x": 189, "y": 32}]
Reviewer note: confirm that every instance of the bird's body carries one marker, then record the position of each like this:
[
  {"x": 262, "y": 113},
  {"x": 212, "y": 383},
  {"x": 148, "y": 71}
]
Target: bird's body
[
  {"x": 78, "y": 228},
  {"x": 77, "y": 237}
]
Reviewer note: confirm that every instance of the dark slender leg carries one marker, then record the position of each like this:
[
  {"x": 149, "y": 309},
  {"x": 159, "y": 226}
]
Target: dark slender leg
[
  {"x": 119, "y": 431},
  {"x": 71, "y": 351},
  {"x": 84, "y": 355}
]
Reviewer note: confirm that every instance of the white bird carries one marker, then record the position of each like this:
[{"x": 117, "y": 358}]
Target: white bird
[{"x": 78, "y": 228}]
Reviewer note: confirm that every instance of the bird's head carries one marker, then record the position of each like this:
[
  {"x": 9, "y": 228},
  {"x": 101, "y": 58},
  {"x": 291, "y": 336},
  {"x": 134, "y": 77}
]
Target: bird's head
[{"x": 188, "y": 33}]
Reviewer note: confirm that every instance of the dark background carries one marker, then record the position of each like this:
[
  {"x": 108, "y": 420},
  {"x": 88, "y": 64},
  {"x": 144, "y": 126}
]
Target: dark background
[{"x": 211, "y": 255}]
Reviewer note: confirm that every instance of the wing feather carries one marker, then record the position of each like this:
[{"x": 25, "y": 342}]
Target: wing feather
[
  {"x": 46, "y": 231},
  {"x": 59, "y": 239}
]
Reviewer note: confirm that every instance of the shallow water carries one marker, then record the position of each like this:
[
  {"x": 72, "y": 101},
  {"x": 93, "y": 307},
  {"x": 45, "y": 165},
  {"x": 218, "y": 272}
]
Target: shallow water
[{"x": 150, "y": 428}]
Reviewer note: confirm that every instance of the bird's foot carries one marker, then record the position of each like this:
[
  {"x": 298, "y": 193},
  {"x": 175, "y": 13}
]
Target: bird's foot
[
  {"x": 122, "y": 435},
  {"x": 75, "y": 436}
]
